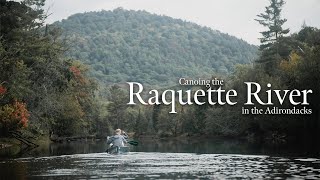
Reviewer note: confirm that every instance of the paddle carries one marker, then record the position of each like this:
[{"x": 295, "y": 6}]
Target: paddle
[{"x": 133, "y": 143}]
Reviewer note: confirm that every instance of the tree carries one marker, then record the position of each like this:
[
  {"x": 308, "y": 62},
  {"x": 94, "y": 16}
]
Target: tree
[
  {"x": 271, "y": 19},
  {"x": 117, "y": 107}
]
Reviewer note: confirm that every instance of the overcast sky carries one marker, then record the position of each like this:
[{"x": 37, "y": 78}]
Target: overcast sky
[{"x": 235, "y": 17}]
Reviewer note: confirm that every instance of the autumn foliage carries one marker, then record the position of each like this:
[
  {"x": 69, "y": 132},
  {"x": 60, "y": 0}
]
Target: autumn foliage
[
  {"x": 3, "y": 90},
  {"x": 14, "y": 116},
  {"x": 76, "y": 71},
  {"x": 292, "y": 64},
  {"x": 21, "y": 113}
]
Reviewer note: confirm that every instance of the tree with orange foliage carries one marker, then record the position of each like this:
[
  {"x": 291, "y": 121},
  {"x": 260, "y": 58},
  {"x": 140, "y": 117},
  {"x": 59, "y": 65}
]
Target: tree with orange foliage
[
  {"x": 3, "y": 90},
  {"x": 14, "y": 116}
]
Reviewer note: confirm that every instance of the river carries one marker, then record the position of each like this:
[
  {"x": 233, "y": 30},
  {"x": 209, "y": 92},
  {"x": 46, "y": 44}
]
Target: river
[{"x": 184, "y": 159}]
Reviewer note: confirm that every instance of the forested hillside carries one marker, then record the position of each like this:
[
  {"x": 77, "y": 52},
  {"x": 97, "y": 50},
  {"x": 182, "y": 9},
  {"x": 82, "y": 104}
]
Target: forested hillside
[{"x": 122, "y": 45}]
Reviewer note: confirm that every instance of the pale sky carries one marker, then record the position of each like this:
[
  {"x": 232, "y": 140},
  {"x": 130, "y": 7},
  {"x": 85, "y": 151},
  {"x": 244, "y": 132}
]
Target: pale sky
[{"x": 235, "y": 17}]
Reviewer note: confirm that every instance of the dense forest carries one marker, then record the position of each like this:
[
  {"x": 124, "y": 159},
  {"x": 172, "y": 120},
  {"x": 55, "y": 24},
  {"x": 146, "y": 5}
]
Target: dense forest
[
  {"x": 45, "y": 90},
  {"x": 123, "y": 45},
  {"x": 41, "y": 91}
]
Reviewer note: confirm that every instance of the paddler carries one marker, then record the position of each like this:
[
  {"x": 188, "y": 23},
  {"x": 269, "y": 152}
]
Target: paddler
[{"x": 119, "y": 139}]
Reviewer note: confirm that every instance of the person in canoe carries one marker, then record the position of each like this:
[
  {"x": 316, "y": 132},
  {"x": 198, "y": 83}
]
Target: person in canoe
[
  {"x": 118, "y": 140},
  {"x": 124, "y": 134}
]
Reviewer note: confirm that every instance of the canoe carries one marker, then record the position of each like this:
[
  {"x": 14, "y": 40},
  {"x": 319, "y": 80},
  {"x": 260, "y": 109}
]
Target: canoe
[{"x": 118, "y": 150}]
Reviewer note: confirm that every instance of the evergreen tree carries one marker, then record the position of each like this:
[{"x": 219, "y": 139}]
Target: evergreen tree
[
  {"x": 117, "y": 107},
  {"x": 271, "y": 19}
]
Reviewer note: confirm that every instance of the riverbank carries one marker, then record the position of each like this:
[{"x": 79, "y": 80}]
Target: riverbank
[
  {"x": 7, "y": 142},
  {"x": 4, "y": 145}
]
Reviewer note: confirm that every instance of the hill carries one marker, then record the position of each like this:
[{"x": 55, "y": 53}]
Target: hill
[{"x": 123, "y": 45}]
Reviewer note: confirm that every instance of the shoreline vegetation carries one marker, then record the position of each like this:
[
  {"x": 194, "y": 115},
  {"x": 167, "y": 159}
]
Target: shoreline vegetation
[
  {"x": 47, "y": 91},
  {"x": 8, "y": 142}
]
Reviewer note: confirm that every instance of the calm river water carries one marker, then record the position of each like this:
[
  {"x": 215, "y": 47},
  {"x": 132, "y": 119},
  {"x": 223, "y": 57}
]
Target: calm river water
[{"x": 209, "y": 159}]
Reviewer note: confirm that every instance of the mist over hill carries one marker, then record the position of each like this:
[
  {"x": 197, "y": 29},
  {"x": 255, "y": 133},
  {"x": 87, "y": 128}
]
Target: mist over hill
[{"x": 123, "y": 45}]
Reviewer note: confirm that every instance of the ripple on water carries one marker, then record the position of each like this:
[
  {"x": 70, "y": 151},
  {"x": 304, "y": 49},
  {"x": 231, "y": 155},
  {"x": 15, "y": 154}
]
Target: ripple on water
[{"x": 170, "y": 165}]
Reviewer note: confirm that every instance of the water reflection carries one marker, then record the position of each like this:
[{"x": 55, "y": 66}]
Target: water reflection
[
  {"x": 205, "y": 146},
  {"x": 178, "y": 159},
  {"x": 224, "y": 146}
]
